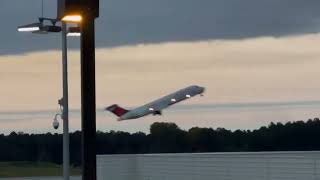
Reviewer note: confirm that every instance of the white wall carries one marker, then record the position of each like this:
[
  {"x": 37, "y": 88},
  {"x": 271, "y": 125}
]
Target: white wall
[{"x": 211, "y": 166}]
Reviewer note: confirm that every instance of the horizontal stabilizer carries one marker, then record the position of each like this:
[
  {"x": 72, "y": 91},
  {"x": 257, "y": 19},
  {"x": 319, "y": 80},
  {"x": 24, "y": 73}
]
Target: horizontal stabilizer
[{"x": 117, "y": 110}]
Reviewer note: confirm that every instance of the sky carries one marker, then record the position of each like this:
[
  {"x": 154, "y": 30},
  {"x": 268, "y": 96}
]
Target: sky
[{"x": 258, "y": 60}]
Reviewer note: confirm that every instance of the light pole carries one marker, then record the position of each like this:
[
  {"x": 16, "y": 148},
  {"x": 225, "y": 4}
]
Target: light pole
[
  {"x": 88, "y": 98},
  {"x": 65, "y": 114},
  {"x": 85, "y": 12},
  {"x": 64, "y": 102}
]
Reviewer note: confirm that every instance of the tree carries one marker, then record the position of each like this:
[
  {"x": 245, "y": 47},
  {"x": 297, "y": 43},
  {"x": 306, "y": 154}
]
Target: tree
[{"x": 165, "y": 138}]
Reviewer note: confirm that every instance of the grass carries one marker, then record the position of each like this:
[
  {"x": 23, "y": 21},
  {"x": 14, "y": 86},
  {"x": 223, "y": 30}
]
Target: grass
[{"x": 32, "y": 169}]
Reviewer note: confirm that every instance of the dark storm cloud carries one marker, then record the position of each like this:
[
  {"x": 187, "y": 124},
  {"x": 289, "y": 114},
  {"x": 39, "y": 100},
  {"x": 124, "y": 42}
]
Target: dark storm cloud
[{"x": 124, "y": 22}]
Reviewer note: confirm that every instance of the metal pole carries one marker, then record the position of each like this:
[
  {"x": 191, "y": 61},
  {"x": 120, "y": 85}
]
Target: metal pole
[
  {"x": 88, "y": 98},
  {"x": 65, "y": 113}
]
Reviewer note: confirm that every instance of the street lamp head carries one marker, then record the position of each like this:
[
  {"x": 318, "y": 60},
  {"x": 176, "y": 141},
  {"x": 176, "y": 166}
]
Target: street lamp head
[
  {"x": 75, "y": 10},
  {"x": 76, "y": 18},
  {"x": 70, "y": 34},
  {"x": 30, "y": 27},
  {"x": 74, "y": 31},
  {"x": 52, "y": 28},
  {"x": 40, "y": 27},
  {"x": 47, "y": 29}
]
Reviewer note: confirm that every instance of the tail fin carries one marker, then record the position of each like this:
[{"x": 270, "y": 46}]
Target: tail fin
[{"x": 117, "y": 110}]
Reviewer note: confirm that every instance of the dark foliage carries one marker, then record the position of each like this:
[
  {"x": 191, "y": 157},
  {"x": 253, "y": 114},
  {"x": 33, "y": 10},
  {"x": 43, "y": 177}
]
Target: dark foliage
[{"x": 165, "y": 138}]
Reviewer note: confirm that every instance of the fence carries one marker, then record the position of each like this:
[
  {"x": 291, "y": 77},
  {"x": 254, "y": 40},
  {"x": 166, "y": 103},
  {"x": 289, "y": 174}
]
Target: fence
[{"x": 211, "y": 166}]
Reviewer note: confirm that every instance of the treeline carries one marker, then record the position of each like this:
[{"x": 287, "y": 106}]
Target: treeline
[{"x": 165, "y": 138}]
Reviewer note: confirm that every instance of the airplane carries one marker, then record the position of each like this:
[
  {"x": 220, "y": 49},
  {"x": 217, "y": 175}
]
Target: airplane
[{"x": 156, "y": 107}]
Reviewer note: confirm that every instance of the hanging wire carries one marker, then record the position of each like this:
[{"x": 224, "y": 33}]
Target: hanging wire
[{"x": 42, "y": 8}]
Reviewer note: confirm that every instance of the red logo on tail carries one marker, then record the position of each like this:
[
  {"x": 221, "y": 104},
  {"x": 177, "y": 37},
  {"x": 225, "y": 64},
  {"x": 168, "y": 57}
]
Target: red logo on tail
[{"x": 117, "y": 110}]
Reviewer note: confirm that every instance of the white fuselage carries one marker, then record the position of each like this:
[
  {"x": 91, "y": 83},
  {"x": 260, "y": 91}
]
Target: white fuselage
[{"x": 162, "y": 103}]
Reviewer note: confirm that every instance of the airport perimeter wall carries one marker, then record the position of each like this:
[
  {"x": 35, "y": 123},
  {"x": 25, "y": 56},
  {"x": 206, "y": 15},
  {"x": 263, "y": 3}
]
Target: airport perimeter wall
[{"x": 211, "y": 166}]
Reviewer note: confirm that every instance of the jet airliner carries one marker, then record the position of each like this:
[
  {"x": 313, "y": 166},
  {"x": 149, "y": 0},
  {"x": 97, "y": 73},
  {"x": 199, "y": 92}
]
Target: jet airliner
[{"x": 156, "y": 107}]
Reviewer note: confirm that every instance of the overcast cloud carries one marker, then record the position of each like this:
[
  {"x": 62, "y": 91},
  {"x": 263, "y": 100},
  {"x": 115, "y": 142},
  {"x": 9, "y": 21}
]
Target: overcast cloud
[
  {"x": 261, "y": 53},
  {"x": 127, "y": 22}
]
